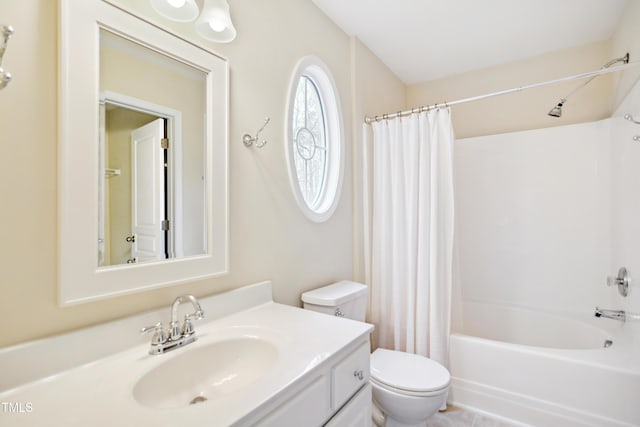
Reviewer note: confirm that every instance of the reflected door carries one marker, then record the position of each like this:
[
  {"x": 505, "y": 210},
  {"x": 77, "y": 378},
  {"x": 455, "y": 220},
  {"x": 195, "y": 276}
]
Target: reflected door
[{"x": 148, "y": 192}]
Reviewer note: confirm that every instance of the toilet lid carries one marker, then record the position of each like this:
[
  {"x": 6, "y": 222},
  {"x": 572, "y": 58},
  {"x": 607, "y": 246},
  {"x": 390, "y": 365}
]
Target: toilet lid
[{"x": 406, "y": 371}]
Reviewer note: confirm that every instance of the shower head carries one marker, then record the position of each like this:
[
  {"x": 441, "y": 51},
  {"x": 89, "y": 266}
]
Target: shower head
[{"x": 557, "y": 110}]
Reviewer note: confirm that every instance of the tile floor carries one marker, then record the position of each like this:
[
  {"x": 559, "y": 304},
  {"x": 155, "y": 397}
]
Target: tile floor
[{"x": 458, "y": 417}]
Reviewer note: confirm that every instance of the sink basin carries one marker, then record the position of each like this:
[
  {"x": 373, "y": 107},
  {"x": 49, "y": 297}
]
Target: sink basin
[{"x": 203, "y": 373}]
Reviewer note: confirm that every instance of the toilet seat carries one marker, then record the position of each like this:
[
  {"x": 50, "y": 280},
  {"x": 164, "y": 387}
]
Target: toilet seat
[
  {"x": 407, "y": 373},
  {"x": 388, "y": 388}
]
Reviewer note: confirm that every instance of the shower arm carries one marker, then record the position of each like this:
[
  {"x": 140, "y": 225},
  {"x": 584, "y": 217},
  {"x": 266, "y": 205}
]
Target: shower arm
[{"x": 624, "y": 59}]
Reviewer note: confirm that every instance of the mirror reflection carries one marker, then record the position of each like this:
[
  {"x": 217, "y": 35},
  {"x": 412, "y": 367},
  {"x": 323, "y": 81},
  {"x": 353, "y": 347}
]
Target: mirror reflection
[{"x": 152, "y": 142}]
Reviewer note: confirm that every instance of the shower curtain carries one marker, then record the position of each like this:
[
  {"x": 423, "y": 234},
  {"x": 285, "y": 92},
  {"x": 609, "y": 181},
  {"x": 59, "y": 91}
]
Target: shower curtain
[{"x": 409, "y": 231}]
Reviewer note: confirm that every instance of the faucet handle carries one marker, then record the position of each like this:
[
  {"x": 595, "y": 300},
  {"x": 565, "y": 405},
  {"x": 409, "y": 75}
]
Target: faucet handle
[
  {"x": 187, "y": 326},
  {"x": 621, "y": 281},
  {"x": 159, "y": 336},
  {"x": 155, "y": 327}
]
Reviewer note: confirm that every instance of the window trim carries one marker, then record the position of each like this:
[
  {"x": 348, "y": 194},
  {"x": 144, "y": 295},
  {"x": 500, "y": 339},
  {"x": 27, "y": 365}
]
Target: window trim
[{"x": 314, "y": 68}]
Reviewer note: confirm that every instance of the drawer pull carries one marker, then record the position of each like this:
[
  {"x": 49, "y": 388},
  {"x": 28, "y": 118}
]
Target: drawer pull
[{"x": 359, "y": 374}]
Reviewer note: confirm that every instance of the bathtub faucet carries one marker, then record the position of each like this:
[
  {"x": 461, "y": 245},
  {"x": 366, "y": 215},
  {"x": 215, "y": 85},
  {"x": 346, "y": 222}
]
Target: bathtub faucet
[{"x": 611, "y": 314}]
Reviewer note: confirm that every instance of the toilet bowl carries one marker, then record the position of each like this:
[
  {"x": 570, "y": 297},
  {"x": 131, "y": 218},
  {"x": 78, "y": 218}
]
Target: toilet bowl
[{"x": 407, "y": 388}]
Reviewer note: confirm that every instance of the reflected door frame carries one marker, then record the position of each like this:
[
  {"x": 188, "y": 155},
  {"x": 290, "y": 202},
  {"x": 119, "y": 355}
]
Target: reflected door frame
[{"x": 174, "y": 172}]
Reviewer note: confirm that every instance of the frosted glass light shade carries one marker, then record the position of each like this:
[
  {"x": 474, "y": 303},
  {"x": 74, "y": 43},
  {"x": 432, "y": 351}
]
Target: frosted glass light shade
[
  {"x": 187, "y": 12},
  {"x": 215, "y": 16}
]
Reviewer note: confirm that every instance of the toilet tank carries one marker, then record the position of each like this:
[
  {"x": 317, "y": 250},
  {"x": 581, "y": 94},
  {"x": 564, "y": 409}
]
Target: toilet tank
[{"x": 343, "y": 299}]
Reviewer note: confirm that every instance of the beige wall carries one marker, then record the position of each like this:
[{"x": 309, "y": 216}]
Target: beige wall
[
  {"x": 627, "y": 39},
  {"x": 528, "y": 109},
  {"x": 270, "y": 238},
  {"x": 375, "y": 90}
]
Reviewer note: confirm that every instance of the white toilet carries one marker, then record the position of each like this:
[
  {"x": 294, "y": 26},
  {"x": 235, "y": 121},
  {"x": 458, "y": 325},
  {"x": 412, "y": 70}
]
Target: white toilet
[{"x": 407, "y": 388}]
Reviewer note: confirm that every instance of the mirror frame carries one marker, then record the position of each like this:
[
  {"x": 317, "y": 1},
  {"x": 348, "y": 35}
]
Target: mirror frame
[{"x": 79, "y": 277}]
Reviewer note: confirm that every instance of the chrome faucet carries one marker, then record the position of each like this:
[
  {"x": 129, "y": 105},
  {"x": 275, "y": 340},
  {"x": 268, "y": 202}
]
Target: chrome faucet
[
  {"x": 176, "y": 336},
  {"x": 187, "y": 328},
  {"x": 611, "y": 314}
]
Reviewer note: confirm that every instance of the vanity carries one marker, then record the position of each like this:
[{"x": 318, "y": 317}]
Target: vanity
[{"x": 254, "y": 363}]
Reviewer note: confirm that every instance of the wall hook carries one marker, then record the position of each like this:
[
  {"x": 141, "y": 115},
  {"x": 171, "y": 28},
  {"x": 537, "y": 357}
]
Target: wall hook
[
  {"x": 5, "y": 32},
  {"x": 629, "y": 117},
  {"x": 249, "y": 140}
]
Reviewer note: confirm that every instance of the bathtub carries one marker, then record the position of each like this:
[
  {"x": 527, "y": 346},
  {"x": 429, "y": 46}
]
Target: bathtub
[{"x": 545, "y": 369}]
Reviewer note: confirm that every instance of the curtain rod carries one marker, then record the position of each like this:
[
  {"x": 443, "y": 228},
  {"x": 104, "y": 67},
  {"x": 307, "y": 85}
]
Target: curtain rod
[{"x": 416, "y": 110}]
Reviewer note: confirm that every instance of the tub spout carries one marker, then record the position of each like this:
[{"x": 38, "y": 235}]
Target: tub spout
[{"x": 611, "y": 314}]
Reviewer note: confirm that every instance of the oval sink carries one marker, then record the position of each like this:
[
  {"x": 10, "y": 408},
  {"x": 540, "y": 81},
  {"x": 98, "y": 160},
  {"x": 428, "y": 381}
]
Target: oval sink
[{"x": 203, "y": 373}]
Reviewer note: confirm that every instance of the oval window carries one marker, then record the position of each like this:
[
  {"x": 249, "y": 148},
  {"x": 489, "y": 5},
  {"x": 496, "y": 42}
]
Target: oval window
[{"x": 314, "y": 139}]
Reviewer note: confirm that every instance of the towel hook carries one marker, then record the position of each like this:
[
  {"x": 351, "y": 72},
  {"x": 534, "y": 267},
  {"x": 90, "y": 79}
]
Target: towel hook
[
  {"x": 6, "y": 31},
  {"x": 249, "y": 140},
  {"x": 629, "y": 117}
]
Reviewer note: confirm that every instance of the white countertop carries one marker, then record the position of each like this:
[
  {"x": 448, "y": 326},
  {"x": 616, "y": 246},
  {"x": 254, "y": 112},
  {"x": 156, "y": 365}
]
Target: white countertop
[{"x": 100, "y": 393}]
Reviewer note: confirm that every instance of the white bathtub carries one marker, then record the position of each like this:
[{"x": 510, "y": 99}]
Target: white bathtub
[{"x": 545, "y": 370}]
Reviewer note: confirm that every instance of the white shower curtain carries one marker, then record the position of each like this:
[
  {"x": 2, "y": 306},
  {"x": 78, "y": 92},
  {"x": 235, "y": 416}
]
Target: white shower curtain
[{"x": 409, "y": 231}]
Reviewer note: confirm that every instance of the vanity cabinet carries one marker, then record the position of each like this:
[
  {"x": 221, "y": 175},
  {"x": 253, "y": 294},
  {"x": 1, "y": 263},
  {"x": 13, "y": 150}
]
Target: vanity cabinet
[
  {"x": 356, "y": 413},
  {"x": 336, "y": 394}
]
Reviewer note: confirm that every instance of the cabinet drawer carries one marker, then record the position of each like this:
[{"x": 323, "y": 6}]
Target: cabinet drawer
[{"x": 349, "y": 375}]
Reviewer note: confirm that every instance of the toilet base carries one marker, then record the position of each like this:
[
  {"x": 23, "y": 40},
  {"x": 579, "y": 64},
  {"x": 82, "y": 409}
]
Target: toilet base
[
  {"x": 377, "y": 416},
  {"x": 404, "y": 411},
  {"x": 382, "y": 420}
]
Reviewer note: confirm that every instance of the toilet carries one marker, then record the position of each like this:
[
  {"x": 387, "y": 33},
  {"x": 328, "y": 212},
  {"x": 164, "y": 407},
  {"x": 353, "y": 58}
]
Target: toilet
[{"x": 407, "y": 388}]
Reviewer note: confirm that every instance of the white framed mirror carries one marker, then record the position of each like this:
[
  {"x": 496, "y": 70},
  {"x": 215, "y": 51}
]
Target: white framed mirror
[{"x": 142, "y": 157}]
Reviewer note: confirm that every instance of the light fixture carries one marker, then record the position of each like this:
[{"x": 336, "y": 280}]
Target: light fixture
[
  {"x": 176, "y": 10},
  {"x": 215, "y": 23}
]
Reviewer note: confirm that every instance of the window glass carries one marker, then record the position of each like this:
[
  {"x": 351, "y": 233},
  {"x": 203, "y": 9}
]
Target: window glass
[
  {"x": 314, "y": 139},
  {"x": 310, "y": 153}
]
